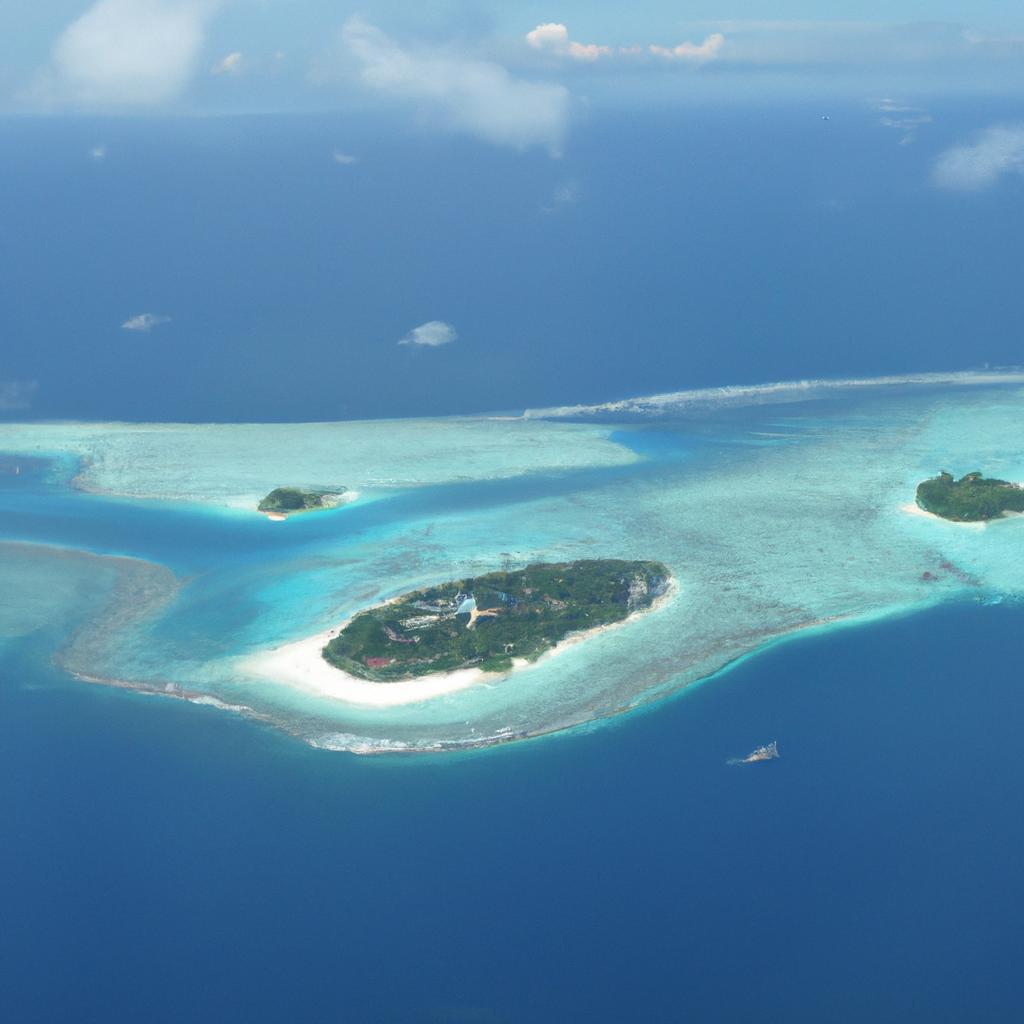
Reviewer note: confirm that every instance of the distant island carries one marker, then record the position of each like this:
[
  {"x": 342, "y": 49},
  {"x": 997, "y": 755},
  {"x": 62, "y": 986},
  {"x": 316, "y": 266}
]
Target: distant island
[
  {"x": 487, "y": 621},
  {"x": 971, "y": 499},
  {"x": 284, "y": 501}
]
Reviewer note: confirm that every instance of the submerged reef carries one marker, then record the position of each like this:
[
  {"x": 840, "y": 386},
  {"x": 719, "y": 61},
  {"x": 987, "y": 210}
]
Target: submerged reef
[
  {"x": 785, "y": 517},
  {"x": 487, "y": 621},
  {"x": 971, "y": 499}
]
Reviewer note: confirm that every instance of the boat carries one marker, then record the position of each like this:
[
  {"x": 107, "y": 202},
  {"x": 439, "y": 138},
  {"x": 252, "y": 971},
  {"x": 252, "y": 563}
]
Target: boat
[{"x": 766, "y": 753}]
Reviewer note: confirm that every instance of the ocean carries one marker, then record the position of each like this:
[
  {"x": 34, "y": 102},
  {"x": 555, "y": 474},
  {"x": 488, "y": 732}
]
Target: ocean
[
  {"x": 685, "y": 247},
  {"x": 173, "y": 862},
  {"x": 169, "y": 860},
  {"x": 772, "y": 518}
]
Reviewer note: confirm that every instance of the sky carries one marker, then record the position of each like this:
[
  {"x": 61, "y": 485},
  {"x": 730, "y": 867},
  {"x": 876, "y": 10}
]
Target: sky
[
  {"x": 208, "y": 56},
  {"x": 252, "y": 209}
]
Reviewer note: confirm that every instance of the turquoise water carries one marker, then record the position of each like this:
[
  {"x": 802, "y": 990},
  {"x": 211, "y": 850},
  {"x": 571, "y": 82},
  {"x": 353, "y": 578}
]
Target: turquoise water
[
  {"x": 772, "y": 517},
  {"x": 618, "y": 870}
]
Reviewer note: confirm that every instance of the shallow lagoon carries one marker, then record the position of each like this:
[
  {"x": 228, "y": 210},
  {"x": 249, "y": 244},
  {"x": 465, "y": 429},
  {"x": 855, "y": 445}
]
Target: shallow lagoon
[{"x": 774, "y": 518}]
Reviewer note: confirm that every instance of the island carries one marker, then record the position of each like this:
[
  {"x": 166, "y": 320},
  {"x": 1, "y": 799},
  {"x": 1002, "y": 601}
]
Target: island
[
  {"x": 284, "y": 501},
  {"x": 487, "y": 621},
  {"x": 971, "y": 499}
]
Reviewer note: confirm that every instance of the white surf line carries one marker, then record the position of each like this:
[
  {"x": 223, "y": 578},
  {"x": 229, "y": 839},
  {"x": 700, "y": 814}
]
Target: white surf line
[{"x": 752, "y": 394}]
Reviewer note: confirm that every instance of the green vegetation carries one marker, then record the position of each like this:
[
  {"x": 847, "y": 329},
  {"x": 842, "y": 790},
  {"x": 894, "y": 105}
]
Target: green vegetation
[
  {"x": 295, "y": 499},
  {"x": 487, "y": 621},
  {"x": 971, "y": 499}
]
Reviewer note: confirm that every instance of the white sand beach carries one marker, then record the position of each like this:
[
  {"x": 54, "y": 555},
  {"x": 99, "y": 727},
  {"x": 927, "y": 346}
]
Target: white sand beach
[
  {"x": 912, "y": 509},
  {"x": 301, "y": 664}
]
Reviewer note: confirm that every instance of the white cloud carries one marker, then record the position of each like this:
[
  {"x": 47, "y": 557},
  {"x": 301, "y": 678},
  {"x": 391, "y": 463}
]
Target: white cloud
[
  {"x": 17, "y": 394},
  {"x": 431, "y": 334},
  {"x": 550, "y": 36},
  {"x": 588, "y": 51},
  {"x": 554, "y": 37},
  {"x": 343, "y": 158},
  {"x": 474, "y": 96},
  {"x": 231, "y": 64},
  {"x": 127, "y": 52},
  {"x": 998, "y": 150},
  {"x": 902, "y": 118},
  {"x": 98, "y": 152},
  {"x": 145, "y": 322},
  {"x": 687, "y": 51}
]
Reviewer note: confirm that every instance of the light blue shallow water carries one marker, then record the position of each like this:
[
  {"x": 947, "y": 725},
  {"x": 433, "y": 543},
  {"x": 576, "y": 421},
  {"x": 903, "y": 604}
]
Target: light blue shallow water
[
  {"x": 616, "y": 872},
  {"x": 772, "y": 518},
  {"x": 162, "y": 861}
]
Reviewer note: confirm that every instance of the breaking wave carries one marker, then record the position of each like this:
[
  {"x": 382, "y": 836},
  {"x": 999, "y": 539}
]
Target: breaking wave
[{"x": 675, "y": 403}]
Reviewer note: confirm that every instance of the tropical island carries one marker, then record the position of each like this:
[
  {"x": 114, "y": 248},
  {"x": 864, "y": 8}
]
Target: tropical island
[
  {"x": 487, "y": 621},
  {"x": 285, "y": 501},
  {"x": 971, "y": 499}
]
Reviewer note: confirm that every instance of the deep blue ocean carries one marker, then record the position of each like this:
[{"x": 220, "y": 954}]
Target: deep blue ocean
[
  {"x": 168, "y": 862},
  {"x": 678, "y": 248}
]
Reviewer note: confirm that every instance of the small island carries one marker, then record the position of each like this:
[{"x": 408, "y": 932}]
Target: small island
[
  {"x": 971, "y": 499},
  {"x": 485, "y": 622},
  {"x": 284, "y": 501}
]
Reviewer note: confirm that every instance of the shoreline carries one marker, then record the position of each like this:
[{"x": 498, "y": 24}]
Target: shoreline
[
  {"x": 337, "y": 501},
  {"x": 913, "y": 509},
  {"x": 301, "y": 665},
  {"x": 368, "y": 746}
]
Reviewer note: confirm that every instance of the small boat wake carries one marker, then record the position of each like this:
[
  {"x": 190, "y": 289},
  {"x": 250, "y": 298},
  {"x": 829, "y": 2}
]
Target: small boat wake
[{"x": 765, "y": 753}]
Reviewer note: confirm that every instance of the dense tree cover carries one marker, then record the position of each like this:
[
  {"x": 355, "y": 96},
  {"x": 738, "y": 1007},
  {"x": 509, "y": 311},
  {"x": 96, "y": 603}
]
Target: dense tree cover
[
  {"x": 295, "y": 499},
  {"x": 970, "y": 499},
  {"x": 488, "y": 620}
]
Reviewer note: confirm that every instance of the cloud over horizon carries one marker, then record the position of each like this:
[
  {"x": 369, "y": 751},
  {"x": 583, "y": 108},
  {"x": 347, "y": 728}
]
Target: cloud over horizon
[
  {"x": 707, "y": 50},
  {"x": 127, "y": 53},
  {"x": 145, "y": 322},
  {"x": 999, "y": 150},
  {"x": 553, "y": 37},
  {"x": 469, "y": 95},
  {"x": 432, "y": 334},
  {"x": 493, "y": 77}
]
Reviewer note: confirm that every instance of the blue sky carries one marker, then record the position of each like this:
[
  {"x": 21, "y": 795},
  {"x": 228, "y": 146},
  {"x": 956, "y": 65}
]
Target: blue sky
[{"x": 212, "y": 56}]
